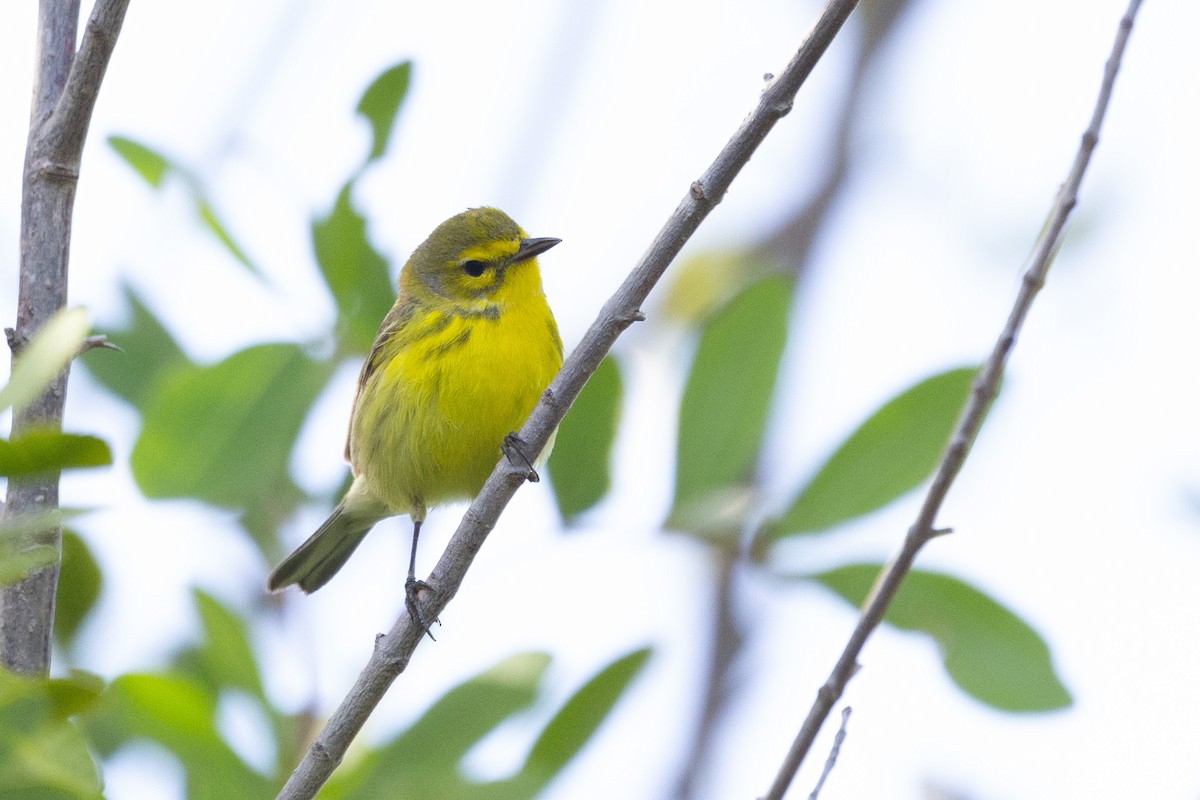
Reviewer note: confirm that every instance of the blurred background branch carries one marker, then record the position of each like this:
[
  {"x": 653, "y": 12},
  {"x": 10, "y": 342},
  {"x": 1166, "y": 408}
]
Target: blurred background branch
[{"x": 788, "y": 248}]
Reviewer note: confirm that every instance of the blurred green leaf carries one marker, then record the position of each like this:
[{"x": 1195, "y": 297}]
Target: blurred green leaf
[
  {"x": 210, "y": 220},
  {"x": 423, "y": 761},
  {"x": 78, "y": 587},
  {"x": 381, "y": 102},
  {"x": 224, "y": 659},
  {"x": 180, "y": 715},
  {"x": 726, "y": 400},
  {"x": 577, "y": 721},
  {"x": 42, "y": 753},
  {"x": 41, "y": 359},
  {"x": 703, "y": 282},
  {"x": 175, "y": 705},
  {"x": 74, "y": 694},
  {"x": 22, "y": 547},
  {"x": 262, "y": 515},
  {"x": 892, "y": 453},
  {"x": 154, "y": 167},
  {"x": 356, "y": 273},
  {"x": 988, "y": 651},
  {"x": 223, "y": 433},
  {"x": 579, "y": 463},
  {"x": 149, "y": 351},
  {"x": 41, "y": 451}
]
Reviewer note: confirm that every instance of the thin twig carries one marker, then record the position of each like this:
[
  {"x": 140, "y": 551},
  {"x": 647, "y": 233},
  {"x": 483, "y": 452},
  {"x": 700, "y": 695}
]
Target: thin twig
[
  {"x": 834, "y": 751},
  {"x": 66, "y": 85},
  {"x": 98, "y": 342},
  {"x": 393, "y": 651},
  {"x": 983, "y": 391}
]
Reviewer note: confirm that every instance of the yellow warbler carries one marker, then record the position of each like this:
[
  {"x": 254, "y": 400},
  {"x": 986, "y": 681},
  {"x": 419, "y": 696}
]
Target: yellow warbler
[{"x": 458, "y": 363}]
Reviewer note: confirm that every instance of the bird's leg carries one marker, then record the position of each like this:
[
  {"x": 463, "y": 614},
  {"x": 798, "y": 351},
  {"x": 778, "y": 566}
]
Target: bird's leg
[
  {"x": 413, "y": 587},
  {"x": 514, "y": 448}
]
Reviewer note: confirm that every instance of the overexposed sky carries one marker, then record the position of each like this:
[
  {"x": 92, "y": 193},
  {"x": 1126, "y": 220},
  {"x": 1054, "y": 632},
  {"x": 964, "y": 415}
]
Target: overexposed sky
[{"x": 588, "y": 122}]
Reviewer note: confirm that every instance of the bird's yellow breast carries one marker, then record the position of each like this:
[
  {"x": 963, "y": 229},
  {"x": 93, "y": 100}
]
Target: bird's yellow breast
[{"x": 451, "y": 383}]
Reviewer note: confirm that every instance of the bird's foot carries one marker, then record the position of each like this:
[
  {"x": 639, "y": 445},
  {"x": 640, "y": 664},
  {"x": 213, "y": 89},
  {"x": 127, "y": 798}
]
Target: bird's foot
[
  {"x": 515, "y": 449},
  {"x": 412, "y": 590}
]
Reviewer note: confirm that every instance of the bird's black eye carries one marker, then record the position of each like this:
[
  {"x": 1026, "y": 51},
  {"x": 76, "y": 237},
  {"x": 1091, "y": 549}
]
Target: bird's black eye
[{"x": 474, "y": 268}]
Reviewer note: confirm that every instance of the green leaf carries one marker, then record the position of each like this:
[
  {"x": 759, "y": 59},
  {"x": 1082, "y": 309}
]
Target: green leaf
[
  {"x": 225, "y": 659},
  {"x": 154, "y": 167},
  {"x": 23, "y": 546},
  {"x": 74, "y": 694},
  {"x": 579, "y": 463},
  {"x": 172, "y": 703},
  {"x": 424, "y": 761},
  {"x": 181, "y": 715},
  {"x": 381, "y": 102},
  {"x": 892, "y": 453},
  {"x": 42, "y": 753},
  {"x": 356, "y": 273},
  {"x": 726, "y": 401},
  {"x": 149, "y": 351},
  {"x": 987, "y": 650},
  {"x": 577, "y": 721},
  {"x": 223, "y": 433},
  {"x": 263, "y": 515},
  {"x": 210, "y": 220},
  {"x": 78, "y": 587},
  {"x": 46, "y": 354},
  {"x": 42, "y": 451}
]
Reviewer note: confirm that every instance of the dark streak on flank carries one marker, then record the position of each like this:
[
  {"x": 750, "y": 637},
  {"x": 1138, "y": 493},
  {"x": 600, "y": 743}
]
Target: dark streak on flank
[{"x": 445, "y": 347}]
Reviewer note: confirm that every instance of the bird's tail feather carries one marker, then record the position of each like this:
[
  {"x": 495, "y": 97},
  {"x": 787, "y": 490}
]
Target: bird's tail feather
[{"x": 323, "y": 554}]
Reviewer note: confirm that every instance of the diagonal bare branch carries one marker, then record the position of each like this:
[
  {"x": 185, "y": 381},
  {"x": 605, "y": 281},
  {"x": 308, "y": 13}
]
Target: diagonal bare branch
[{"x": 983, "y": 391}]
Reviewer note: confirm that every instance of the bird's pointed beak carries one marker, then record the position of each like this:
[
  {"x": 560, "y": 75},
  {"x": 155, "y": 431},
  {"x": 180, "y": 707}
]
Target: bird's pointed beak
[{"x": 532, "y": 247}]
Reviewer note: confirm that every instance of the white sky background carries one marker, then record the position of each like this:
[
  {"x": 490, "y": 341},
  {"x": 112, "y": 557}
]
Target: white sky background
[{"x": 587, "y": 122}]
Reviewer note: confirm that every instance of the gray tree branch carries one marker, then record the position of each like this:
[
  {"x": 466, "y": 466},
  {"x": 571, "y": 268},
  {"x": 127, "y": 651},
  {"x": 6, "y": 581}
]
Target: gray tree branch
[
  {"x": 65, "y": 87},
  {"x": 983, "y": 391},
  {"x": 393, "y": 650}
]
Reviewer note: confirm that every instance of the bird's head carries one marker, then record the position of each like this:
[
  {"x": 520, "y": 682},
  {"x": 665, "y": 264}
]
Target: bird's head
[{"x": 474, "y": 256}]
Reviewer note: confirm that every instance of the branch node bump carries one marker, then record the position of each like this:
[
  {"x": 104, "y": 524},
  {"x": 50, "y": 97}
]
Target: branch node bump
[
  {"x": 633, "y": 316},
  {"x": 322, "y": 752},
  {"x": 829, "y": 693},
  {"x": 56, "y": 170},
  {"x": 698, "y": 192}
]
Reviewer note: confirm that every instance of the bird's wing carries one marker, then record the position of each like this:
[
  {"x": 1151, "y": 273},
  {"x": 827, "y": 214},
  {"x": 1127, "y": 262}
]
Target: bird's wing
[{"x": 399, "y": 315}]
